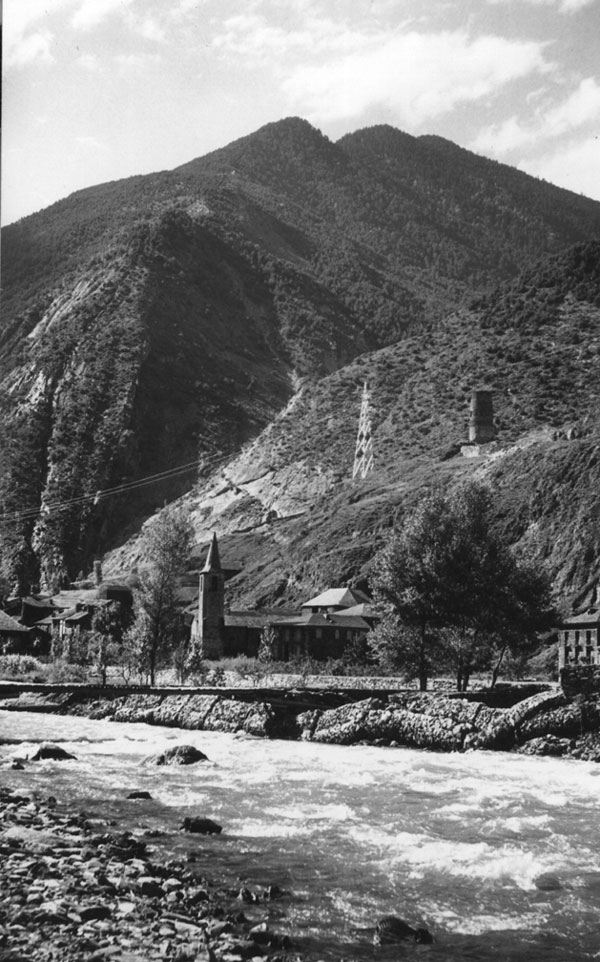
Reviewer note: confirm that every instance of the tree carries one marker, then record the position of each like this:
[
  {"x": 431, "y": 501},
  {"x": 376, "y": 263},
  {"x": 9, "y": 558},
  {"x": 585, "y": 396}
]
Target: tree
[
  {"x": 105, "y": 645},
  {"x": 158, "y": 627},
  {"x": 267, "y": 644},
  {"x": 408, "y": 584},
  {"x": 453, "y": 591}
]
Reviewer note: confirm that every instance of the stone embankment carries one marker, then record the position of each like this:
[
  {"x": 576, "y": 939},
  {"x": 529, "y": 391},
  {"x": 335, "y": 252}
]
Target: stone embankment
[
  {"x": 547, "y": 722},
  {"x": 75, "y": 889}
]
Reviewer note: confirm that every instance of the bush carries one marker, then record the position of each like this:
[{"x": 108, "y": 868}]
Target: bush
[
  {"x": 22, "y": 666},
  {"x": 61, "y": 671}
]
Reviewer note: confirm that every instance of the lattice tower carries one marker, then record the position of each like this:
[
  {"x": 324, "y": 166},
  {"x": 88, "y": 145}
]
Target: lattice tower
[{"x": 363, "y": 456}]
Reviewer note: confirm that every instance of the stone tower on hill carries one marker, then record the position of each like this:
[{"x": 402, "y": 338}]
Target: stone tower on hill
[
  {"x": 211, "y": 605},
  {"x": 481, "y": 421}
]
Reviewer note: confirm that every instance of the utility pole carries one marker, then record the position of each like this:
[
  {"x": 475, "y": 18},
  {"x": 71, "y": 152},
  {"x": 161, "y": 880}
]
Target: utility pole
[{"x": 363, "y": 457}]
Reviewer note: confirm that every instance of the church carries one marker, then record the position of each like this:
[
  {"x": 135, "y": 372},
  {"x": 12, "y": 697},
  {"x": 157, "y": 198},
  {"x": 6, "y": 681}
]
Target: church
[{"x": 324, "y": 627}]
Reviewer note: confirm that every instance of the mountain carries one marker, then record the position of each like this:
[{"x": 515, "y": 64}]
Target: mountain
[
  {"x": 188, "y": 315},
  {"x": 289, "y": 515}
]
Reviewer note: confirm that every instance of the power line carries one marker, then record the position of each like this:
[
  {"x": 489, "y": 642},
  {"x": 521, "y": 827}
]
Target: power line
[{"x": 101, "y": 494}]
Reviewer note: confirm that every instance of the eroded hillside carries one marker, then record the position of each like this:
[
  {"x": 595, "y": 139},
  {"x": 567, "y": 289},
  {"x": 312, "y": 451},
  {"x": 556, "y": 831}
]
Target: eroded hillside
[{"x": 288, "y": 514}]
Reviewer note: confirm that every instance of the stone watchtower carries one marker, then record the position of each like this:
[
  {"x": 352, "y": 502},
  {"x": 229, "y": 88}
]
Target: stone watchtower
[
  {"x": 481, "y": 420},
  {"x": 211, "y": 605}
]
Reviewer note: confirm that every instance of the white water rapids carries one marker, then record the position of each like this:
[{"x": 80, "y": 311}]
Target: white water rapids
[{"x": 452, "y": 842}]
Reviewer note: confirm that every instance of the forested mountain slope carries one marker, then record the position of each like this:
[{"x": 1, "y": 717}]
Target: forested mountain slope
[
  {"x": 289, "y": 515},
  {"x": 158, "y": 320}
]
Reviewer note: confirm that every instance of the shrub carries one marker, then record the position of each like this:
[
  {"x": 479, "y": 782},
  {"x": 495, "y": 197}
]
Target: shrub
[
  {"x": 61, "y": 671},
  {"x": 18, "y": 666}
]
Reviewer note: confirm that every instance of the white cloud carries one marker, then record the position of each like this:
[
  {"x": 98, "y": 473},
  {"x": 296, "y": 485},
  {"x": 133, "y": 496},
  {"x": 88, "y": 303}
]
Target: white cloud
[
  {"x": 128, "y": 62},
  {"x": 89, "y": 61},
  {"x": 35, "y": 46},
  {"x": 252, "y": 37},
  {"x": 149, "y": 30},
  {"x": 90, "y": 143},
  {"x": 27, "y": 36},
  {"x": 563, "y": 6},
  {"x": 417, "y": 76},
  {"x": 574, "y": 165},
  {"x": 580, "y": 108},
  {"x": 90, "y": 13}
]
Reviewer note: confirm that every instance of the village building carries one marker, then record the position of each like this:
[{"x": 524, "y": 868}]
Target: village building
[
  {"x": 14, "y": 637},
  {"x": 324, "y": 627},
  {"x": 579, "y": 636}
]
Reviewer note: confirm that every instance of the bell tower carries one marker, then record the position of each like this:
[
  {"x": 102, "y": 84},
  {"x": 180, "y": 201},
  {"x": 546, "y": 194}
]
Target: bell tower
[{"x": 211, "y": 605}]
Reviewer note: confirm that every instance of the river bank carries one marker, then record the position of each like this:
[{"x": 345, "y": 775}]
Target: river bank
[
  {"x": 492, "y": 852},
  {"x": 75, "y": 888},
  {"x": 548, "y": 722}
]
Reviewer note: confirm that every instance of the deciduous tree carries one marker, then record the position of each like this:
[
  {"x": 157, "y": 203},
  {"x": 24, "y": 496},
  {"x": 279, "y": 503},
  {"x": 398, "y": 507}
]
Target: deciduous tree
[
  {"x": 455, "y": 595},
  {"x": 158, "y": 627}
]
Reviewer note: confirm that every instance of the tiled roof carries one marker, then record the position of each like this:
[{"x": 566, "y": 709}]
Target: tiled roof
[
  {"x": 8, "y": 624},
  {"x": 38, "y": 602},
  {"x": 257, "y": 619},
  {"x": 337, "y": 597},
  {"x": 589, "y": 617},
  {"x": 363, "y": 610},
  {"x": 318, "y": 619}
]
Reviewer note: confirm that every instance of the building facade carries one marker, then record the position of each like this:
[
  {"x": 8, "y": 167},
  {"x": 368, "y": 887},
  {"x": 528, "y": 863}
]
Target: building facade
[{"x": 578, "y": 640}]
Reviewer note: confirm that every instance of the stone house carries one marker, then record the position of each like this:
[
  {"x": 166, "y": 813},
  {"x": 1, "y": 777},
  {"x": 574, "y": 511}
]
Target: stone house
[{"x": 579, "y": 637}]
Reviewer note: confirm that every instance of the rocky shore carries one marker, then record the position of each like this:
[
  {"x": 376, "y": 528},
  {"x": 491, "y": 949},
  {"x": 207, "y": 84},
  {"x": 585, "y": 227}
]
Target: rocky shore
[
  {"x": 77, "y": 889},
  {"x": 546, "y": 723}
]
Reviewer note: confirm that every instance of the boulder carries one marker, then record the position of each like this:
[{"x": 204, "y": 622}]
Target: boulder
[
  {"x": 179, "y": 755},
  {"x": 345, "y": 725},
  {"x": 502, "y": 731},
  {"x": 546, "y": 745},
  {"x": 201, "y": 826},
  {"x": 390, "y": 930},
  {"x": 150, "y": 887},
  {"x": 564, "y": 722},
  {"x": 136, "y": 708},
  {"x": 547, "y": 882},
  {"x": 52, "y": 752},
  {"x": 87, "y": 913}
]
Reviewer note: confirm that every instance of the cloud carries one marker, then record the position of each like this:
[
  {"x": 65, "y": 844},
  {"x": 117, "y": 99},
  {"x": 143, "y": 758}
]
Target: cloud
[
  {"x": 90, "y": 143},
  {"x": 252, "y": 37},
  {"x": 578, "y": 109},
  {"x": 27, "y": 36},
  {"x": 36, "y": 46},
  {"x": 417, "y": 76},
  {"x": 128, "y": 62},
  {"x": 563, "y": 6},
  {"x": 90, "y": 13},
  {"x": 573, "y": 165},
  {"x": 89, "y": 61}
]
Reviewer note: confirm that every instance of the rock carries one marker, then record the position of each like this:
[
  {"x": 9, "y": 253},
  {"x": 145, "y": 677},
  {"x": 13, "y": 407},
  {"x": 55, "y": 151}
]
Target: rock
[
  {"x": 88, "y": 912},
  {"x": 390, "y": 930},
  {"x": 150, "y": 887},
  {"x": 546, "y": 745},
  {"x": 139, "y": 795},
  {"x": 180, "y": 755},
  {"x": 201, "y": 826},
  {"x": 547, "y": 882},
  {"x": 501, "y": 732},
  {"x": 53, "y": 752}
]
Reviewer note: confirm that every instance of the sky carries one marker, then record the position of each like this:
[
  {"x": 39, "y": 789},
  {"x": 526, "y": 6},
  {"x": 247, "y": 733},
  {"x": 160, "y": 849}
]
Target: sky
[{"x": 96, "y": 90}]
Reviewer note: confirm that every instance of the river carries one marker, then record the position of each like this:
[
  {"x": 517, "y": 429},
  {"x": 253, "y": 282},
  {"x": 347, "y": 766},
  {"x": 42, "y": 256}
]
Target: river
[{"x": 497, "y": 854}]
